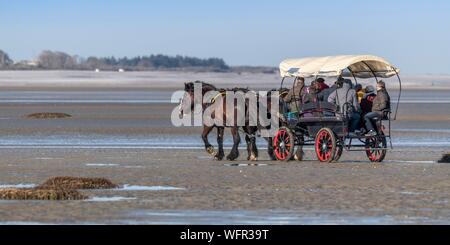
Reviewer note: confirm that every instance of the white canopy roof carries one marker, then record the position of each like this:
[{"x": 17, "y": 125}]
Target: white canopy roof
[{"x": 362, "y": 66}]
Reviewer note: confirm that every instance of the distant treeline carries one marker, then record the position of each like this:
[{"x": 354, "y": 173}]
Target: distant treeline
[{"x": 56, "y": 60}]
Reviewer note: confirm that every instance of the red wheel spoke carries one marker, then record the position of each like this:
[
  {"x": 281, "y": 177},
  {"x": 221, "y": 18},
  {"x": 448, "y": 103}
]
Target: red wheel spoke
[{"x": 328, "y": 155}]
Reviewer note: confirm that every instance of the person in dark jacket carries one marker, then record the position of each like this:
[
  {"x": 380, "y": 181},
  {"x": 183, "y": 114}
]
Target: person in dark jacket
[
  {"x": 367, "y": 100},
  {"x": 381, "y": 104}
]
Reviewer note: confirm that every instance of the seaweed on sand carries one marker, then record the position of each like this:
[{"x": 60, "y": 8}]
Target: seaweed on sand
[
  {"x": 48, "y": 115},
  {"x": 77, "y": 183},
  {"x": 57, "y": 188},
  {"x": 40, "y": 194}
]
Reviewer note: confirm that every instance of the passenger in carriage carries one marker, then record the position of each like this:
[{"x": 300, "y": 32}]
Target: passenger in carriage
[
  {"x": 359, "y": 92},
  {"x": 345, "y": 98},
  {"x": 366, "y": 107},
  {"x": 312, "y": 99},
  {"x": 324, "y": 94},
  {"x": 322, "y": 84},
  {"x": 313, "y": 92},
  {"x": 367, "y": 100},
  {"x": 381, "y": 105},
  {"x": 296, "y": 95}
]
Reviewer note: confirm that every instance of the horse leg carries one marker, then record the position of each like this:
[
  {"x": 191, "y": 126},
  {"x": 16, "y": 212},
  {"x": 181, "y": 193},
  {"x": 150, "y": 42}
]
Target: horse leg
[
  {"x": 251, "y": 143},
  {"x": 220, "y": 134},
  {"x": 254, "y": 148},
  {"x": 249, "y": 147},
  {"x": 270, "y": 149},
  {"x": 234, "y": 154},
  {"x": 299, "y": 153},
  {"x": 209, "y": 148}
]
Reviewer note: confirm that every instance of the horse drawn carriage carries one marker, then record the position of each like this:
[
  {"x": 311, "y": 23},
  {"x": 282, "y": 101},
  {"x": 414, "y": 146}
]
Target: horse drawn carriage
[{"x": 323, "y": 125}]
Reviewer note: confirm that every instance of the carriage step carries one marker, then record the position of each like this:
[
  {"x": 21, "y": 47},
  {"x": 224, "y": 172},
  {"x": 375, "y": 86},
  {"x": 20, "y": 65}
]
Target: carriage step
[
  {"x": 372, "y": 149},
  {"x": 366, "y": 137}
]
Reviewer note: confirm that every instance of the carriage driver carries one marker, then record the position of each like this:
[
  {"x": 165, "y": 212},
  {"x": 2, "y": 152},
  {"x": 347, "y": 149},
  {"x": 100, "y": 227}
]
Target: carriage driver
[{"x": 296, "y": 94}]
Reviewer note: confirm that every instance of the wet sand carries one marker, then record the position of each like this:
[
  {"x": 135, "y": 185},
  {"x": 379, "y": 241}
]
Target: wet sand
[
  {"x": 125, "y": 135},
  {"x": 352, "y": 191}
]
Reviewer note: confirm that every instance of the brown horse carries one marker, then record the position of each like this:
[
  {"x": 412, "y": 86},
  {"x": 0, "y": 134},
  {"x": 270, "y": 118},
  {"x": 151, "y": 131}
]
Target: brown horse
[{"x": 206, "y": 87}]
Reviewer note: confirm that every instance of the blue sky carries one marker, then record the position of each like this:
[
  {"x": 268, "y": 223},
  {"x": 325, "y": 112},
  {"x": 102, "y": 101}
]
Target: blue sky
[{"x": 414, "y": 35}]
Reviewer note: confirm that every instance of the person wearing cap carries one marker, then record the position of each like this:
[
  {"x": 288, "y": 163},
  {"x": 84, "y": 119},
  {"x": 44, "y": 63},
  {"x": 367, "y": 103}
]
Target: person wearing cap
[
  {"x": 367, "y": 100},
  {"x": 381, "y": 104}
]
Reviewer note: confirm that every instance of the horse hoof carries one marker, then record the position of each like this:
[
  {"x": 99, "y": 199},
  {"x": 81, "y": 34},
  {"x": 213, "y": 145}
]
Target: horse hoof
[
  {"x": 232, "y": 157},
  {"x": 253, "y": 158},
  {"x": 218, "y": 157},
  {"x": 299, "y": 156},
  {"x": 210, "y": 150}
]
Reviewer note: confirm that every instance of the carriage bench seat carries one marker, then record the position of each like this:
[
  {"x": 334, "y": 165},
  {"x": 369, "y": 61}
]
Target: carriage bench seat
[
  {"x": 319, "y": 106},
  {"x": 319, "y": 111}
]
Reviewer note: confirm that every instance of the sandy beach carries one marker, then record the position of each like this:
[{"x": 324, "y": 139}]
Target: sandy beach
[{"x": 120, "y": 129}]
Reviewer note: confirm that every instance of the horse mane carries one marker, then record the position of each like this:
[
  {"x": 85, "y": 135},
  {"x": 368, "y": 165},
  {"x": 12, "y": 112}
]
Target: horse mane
[{"x": 207, "y": 85}]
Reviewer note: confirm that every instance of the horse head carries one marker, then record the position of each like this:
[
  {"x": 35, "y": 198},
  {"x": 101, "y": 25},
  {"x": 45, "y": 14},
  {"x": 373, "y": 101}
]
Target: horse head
[{"x": 189, "y": 100}]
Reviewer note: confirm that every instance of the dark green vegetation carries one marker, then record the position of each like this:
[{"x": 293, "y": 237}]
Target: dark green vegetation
[{"x": 56, "y": 60}]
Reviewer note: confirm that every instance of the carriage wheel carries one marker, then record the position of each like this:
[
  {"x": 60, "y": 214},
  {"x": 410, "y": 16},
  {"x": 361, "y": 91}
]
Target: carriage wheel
[
  {"x": 376, "y": 148},
  {"x": 283, "y": 144},
  {"x": 325, "y": 145}
]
